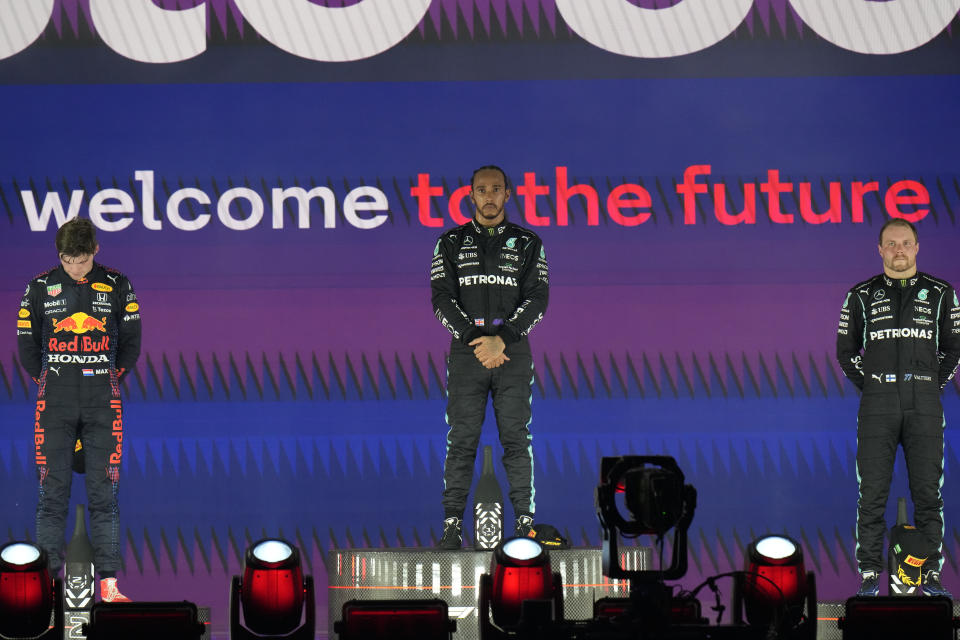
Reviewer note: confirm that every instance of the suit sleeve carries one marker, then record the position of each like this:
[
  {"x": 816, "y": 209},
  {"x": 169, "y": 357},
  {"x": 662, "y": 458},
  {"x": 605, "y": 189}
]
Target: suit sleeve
[
  {"x": 850, "y": 338},
  {"x": 948, "y": 347},
  {"x": 445, "y": 293},
  {"x": 534, "y": 293},
  {"x": 128, "y": 345},
  {"x": 30, "y": 332}
]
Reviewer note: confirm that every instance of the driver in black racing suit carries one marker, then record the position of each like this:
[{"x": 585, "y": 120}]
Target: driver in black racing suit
[
  {"x": 489, "y": 287},
  {"x": 899, "y": 342}
]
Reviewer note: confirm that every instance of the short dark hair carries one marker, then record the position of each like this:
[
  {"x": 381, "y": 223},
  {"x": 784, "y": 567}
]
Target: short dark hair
[
  {"x": 491, "y": 167},
  {"x": 899, "y": 222},
  {"x": 77, "y": 237}
]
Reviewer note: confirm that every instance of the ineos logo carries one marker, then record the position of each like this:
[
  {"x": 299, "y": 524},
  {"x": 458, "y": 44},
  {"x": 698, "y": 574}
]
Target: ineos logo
[{"x": 142, "y": 31}]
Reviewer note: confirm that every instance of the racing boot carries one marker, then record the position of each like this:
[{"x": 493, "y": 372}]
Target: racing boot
[
  {"x": 870, "y": 584},
  {"x": 452, "y": 537},
  {"x": 110, "y": 593},
  {"x": 523, "y": 526},
  {"x": 932, "y": 585}
]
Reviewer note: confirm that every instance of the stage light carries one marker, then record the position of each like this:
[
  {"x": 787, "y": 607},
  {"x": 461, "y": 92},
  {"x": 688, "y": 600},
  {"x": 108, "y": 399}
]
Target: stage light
[
  {"x": 144, "y": 621},
  {"x": 28, "y": 596},
  {"x": 395, "y": 620},
  {"x": 273, "y": 595},
  {"x": 776, "y": 585},
  {"x": 867, "y": 618},
  {"x": 656, "y": 499},
  {"x": 520, "y": 591}
]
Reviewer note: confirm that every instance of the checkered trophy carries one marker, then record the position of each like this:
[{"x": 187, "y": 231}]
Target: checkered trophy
[
  {"x": 906, "y": 556},
  {"x": 78, "y": 578},
  {"x": 487, "y": 506}
]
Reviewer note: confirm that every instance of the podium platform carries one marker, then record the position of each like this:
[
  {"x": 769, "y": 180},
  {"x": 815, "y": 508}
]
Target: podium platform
[{"x": 380, "y": 574}]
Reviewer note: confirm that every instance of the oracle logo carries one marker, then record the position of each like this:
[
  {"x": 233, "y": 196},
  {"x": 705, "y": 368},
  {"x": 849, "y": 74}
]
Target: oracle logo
[{"x": 142, "y": 31}]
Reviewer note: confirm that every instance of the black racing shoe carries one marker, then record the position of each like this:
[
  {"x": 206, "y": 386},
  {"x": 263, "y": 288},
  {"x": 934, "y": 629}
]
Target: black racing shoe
[
  {"x": 870, "y": 584},
  {"x": 452, "y": 537},
  {"x": 523, "y": 526},
  {"x": 932, "y": 585}
]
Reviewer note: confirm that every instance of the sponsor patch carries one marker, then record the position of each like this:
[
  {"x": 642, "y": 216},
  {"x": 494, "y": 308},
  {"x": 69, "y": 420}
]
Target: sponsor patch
[
  {"x": 922, "y": 295},
  {"x": 77, "y": 359},
  {"x": 914, "y": 561},
  {"x": 24, "y": 313},
  {"x": 466, "y": 281},
  {"x": 79, "y": 323},
  {"x": 132, "y": 307},
  {"x": 54, "y": 289},
  {"x": 23, "y": 324},
  {"x": 100, "y": 286}
]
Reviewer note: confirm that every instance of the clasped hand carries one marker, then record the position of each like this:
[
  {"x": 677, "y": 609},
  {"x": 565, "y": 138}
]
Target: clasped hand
[{"x": 489, "y": 351}]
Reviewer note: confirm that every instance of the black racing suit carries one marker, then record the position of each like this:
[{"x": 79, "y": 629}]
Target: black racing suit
[
  {"x": 909, "y": 334},
  {"x": 75, "y": 339},
  {"x": 489, "y": 281}
]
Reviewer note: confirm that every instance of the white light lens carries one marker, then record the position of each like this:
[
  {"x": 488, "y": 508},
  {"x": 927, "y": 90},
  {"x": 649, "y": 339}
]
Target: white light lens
[
  {"x": 776, "y": 548},
  {"x": 272, "y": 551},
  {"x": 20, "y": 554},
  {"x": 522, "y": 548}
]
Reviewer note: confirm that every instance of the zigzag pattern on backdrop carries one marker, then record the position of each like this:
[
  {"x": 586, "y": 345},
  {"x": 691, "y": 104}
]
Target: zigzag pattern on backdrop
[
  {"x": 667, "y": 207},
  {"x": 191, "y": 506},
  {"x": 318, "y": 376},
  {"x": 475, "y": 20},
  {"x": 169, "y": 480}
]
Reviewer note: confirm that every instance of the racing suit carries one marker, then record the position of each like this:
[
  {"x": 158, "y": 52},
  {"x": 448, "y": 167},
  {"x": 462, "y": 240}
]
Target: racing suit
[
  {"x": 489, "y": 281},
  {"x": 75, "y": 339},
  {"x": 899, "y": 342}
]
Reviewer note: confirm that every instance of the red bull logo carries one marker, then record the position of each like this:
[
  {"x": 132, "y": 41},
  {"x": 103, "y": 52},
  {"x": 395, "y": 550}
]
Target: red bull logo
[
  {"x": 79, "y": 323},
  {"x": 38, "y": 434},
  {"x": 78, "y": 344},
  {"x": 117, "y": 431}
]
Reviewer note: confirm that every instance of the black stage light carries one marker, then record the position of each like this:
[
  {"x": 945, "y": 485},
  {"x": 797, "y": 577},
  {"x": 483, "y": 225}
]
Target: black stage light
[
  {"x": 274, "y": 596},
  {"x": 144, "y": 621},
  {"x": 868, "y": 618},
  {"x": 395, "y": 620},
  {"x": 521, "y": 592},
  {"x": 28, "y": 597},
  {"x": 657, "y": 500}
]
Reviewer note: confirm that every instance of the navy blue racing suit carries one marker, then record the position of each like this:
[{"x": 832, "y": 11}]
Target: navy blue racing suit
[{"x": 75, "y": 339}]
